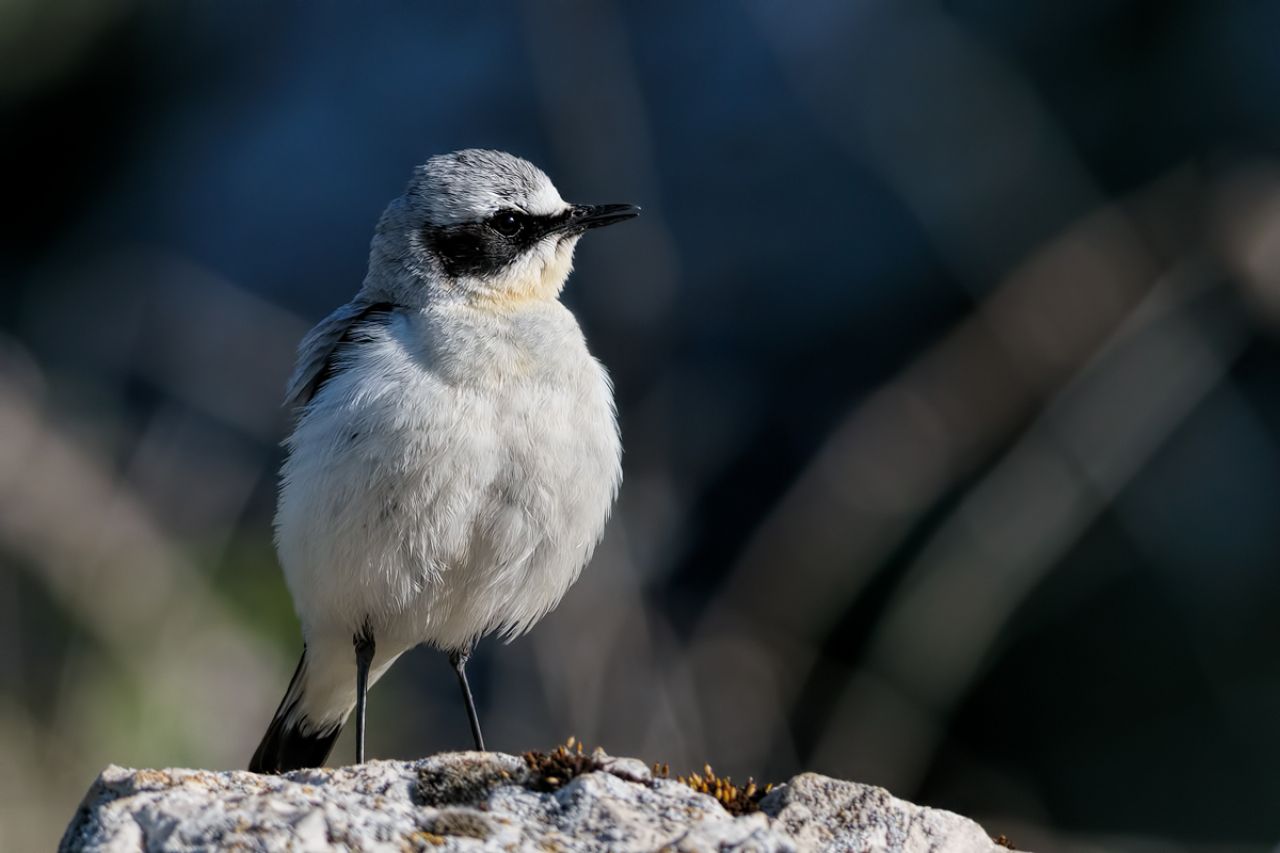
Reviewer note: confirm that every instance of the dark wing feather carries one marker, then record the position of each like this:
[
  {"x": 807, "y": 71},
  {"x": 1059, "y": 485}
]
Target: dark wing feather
[
  {"x": 291, "y": 743},
  {"x": 316, "y": 353}
]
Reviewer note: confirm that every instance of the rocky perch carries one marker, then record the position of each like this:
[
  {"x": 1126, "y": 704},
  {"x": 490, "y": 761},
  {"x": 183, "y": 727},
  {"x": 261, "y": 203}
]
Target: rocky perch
[{"x": 490, "y": 801}]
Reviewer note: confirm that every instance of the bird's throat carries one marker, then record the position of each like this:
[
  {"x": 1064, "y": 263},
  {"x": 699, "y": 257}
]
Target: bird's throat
[{"x": 539, "y": 281}]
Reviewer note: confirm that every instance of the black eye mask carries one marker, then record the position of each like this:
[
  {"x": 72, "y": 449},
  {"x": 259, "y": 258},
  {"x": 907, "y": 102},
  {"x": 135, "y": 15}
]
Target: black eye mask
[
  {"x": 483, "y": 249},
  {"x": 486, "y": 248}
]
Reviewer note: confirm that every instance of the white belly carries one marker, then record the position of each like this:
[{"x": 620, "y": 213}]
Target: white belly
[{"x": 439, "y": 511}]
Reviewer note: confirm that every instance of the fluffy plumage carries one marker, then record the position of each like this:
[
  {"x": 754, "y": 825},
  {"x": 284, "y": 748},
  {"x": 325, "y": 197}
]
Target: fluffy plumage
[{"x": 456, "y": 454}]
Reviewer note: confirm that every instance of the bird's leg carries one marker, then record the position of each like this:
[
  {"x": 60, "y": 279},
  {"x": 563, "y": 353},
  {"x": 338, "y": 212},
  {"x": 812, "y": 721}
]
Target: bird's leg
[
  {"x": 459, "y": 662},
  {"x": 364, "y": 657}
]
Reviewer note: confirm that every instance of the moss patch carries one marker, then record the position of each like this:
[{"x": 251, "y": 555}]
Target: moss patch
[
  {"x": 736, "y": 799},
  {"x": 551, "y": 771}
]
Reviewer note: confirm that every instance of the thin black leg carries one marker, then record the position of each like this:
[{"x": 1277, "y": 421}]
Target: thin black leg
[
  {"x": 364, "y": 657},
  {"x": 459, "y": 661}
]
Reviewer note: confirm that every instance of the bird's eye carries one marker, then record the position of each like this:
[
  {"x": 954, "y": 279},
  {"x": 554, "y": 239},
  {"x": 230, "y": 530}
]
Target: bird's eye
[{"x": 508, "y": 223}]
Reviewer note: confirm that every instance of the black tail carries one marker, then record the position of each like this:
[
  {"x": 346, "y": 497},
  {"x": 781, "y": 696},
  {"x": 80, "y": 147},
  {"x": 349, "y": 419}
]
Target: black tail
[{"x": 286, "y": 746}]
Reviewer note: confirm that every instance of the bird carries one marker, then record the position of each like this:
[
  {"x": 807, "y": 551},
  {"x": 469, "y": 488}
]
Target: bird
[{"x": 455, "y": 452}]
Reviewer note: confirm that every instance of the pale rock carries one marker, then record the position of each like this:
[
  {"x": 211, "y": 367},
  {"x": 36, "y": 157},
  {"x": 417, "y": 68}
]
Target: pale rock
[{"x": 489, "y": 802}]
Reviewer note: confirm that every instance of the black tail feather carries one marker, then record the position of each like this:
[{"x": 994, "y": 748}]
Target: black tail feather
[{"x": 286, "y": 746}]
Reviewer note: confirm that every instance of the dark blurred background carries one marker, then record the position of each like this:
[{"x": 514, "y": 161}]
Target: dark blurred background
[{"x": 946, "y": 352}]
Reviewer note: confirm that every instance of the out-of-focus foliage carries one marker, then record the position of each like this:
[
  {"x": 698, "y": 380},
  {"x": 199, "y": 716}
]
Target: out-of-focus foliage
[{"x": 945, "y": 351}]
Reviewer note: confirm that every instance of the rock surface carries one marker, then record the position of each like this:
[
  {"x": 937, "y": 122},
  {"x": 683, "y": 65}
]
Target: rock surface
[{"x": 490, "y": 801}]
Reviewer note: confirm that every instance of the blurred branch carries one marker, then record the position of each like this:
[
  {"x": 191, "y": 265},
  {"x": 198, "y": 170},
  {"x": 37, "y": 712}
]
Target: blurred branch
[
  {"x": 1015, "y": 526},
  {"x": 988, "y": 174},
  {"x": 937, "y": 422},
  {"x": 195, "y": 671}
]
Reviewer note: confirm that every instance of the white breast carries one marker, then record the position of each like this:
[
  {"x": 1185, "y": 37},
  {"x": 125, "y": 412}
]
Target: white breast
[{"x": 452, "y": 479}]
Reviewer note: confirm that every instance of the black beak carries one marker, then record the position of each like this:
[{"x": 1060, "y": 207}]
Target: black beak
[{"x": 584, "y": 216}]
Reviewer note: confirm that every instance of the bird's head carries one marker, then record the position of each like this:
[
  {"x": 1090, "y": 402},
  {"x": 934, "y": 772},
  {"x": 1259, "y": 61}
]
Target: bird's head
[{"x": 483, "y": 226}]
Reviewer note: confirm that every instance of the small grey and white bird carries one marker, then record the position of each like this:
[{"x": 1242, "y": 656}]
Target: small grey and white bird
[{"x": 456, "y": 451}]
